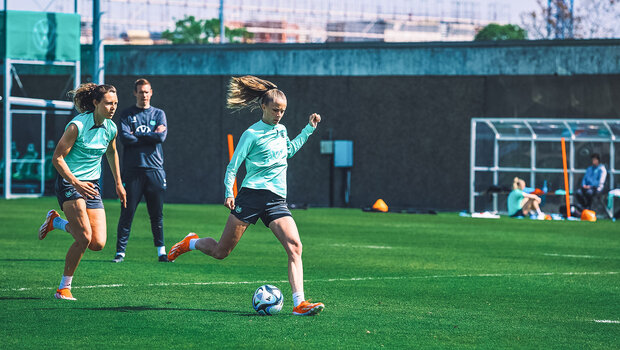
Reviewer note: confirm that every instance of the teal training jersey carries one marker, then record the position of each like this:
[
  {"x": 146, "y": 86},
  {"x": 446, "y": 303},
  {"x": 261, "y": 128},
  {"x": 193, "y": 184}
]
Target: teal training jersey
[
  {"x": 515, "y": 198},
  {"x": 265, "y": 149},
  {"x": 84, "y": 158}
]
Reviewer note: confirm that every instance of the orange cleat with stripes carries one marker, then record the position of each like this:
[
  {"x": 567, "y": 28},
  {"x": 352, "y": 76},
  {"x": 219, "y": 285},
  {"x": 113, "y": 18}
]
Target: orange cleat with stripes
[
  {"x": 48, "y": 224},
  {"x": 181, "y": 247},
  {"x": 307, "y": 308},
  {"x": 64, "y": 293}
]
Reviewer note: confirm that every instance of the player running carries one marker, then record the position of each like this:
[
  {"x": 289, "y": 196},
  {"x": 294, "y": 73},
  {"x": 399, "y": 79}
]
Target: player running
[
  {"x": 77, "y": 158},
  {"x": 264, "y": 147}
]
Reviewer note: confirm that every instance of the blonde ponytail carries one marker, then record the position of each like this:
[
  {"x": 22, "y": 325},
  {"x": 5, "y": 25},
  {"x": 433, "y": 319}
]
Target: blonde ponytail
[{"x": 250, "y": 92}]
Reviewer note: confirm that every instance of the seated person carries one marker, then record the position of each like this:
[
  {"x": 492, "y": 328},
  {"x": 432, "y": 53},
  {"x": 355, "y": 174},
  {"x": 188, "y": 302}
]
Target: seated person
[
  {"x": 592, "y": 183},
  {"x": 521, "y": 203}
]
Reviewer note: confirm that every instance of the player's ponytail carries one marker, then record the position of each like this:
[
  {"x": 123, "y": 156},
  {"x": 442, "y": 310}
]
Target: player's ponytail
[
  {"x": 250, "y": 92},
  {"x": 85, "y": 94}
]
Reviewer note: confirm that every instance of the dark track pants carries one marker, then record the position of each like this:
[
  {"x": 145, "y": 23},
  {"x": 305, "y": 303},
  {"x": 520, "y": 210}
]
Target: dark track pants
[
  {"x": 584, "y": 197},
  {"x": 151, "y": 184}
]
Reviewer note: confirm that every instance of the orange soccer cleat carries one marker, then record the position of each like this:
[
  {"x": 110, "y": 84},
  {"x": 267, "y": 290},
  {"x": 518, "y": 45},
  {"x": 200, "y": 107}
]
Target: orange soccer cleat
[
  {"x": 308, "y": 309},
  {"x": 64, "y": 293},
  {"x": 181, "y": 247},
  {"x": 48, "y": 224}
]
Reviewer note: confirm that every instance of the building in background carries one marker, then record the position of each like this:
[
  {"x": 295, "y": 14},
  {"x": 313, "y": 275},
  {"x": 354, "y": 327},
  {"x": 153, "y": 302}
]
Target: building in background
[
  {"x": 272, "y": 31},
  {"x": 413, "y": 30}
]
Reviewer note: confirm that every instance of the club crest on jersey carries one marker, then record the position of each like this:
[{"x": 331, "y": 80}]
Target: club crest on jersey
[
  {"x": 143, "y": 128},
  {"x": 278, "y": 154},
  {"x": 68, "y": 193},
  {"x": 238, "y": 209}
]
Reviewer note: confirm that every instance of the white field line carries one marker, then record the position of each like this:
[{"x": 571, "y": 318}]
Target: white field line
[
  {"x": 165, "y": 284},
  {"x": 606, "y": 321},
  {"x": 361, "y": 246},
  {"x": 575, "y": 256}
]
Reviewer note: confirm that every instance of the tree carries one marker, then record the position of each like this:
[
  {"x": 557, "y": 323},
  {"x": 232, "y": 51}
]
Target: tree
[
  {"x": 189, "y": 30},
  {"x": 495, "y": 31},
  {"x": 555, "y": 19},
  {"x": 236, "y": 35}
]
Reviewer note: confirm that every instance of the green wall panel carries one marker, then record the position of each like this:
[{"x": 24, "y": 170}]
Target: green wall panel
[{"x": 40, "y": 36}]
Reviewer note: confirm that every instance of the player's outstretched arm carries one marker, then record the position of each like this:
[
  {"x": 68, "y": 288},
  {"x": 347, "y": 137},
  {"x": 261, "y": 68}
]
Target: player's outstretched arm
[
  {"x": 243, "y": 149},
  {"x": 294, "y": 145}
]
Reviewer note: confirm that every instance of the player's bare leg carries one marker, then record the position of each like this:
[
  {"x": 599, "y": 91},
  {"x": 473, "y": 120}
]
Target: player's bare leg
[
  {"x": 233, "y": 231},
  {"x": 286, "y": 231},
  {"x": 81, "y": 231}
]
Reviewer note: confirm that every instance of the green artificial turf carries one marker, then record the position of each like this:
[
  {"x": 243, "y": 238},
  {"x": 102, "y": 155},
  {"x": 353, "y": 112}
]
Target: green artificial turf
[{"x": 387, "y": 280}]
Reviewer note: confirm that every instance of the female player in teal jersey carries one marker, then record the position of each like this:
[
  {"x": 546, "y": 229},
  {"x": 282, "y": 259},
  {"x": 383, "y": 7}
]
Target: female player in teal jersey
[
  {"x": 264, "y": 147},
  {"x": 77, "y": 158}
]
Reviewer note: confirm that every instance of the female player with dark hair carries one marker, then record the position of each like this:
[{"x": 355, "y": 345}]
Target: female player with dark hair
[
  {"x": 264, "y": 147},
  {"x": 77, "y": 158}
]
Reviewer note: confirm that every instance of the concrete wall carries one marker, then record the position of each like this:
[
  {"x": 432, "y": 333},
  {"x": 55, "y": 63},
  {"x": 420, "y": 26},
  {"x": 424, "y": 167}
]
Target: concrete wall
[
  {"x": 407, "y": 107},
  {"x": 543, "y": 57},
  {"x": 566, "y": 57}
]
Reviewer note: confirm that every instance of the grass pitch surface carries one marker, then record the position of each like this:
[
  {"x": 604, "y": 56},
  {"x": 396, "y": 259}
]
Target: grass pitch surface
[{"x": 387, "y": 280}]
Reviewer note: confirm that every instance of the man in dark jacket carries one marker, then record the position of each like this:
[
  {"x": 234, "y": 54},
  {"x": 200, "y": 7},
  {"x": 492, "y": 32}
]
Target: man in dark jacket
[{"x": 143, "y": 129}]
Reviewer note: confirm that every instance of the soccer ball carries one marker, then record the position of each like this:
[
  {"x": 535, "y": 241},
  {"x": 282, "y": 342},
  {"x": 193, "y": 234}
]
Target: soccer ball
[{"x": 267, "y": 300}]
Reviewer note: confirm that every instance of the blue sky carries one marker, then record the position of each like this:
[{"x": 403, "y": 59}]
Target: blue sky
[
  {"x": 157, "y": 18},
  {"x": 515, "y": 7}
]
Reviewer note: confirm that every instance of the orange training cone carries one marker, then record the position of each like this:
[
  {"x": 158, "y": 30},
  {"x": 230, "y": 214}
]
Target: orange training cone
[
  {"x": 380, "y": 206},
  {"x": 588, "y": 215}
]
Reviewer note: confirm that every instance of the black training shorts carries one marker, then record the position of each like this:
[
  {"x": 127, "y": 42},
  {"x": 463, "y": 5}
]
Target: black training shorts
[
  {"x": 66, "y": 192},
  {"x": 251, "y": 204}
]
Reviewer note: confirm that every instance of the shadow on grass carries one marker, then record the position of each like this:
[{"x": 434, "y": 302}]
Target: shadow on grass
[
  {"x": 52, "y": 260},
  {"x": 19, "y": 298},
  {"x": 151, "y": 308}
]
